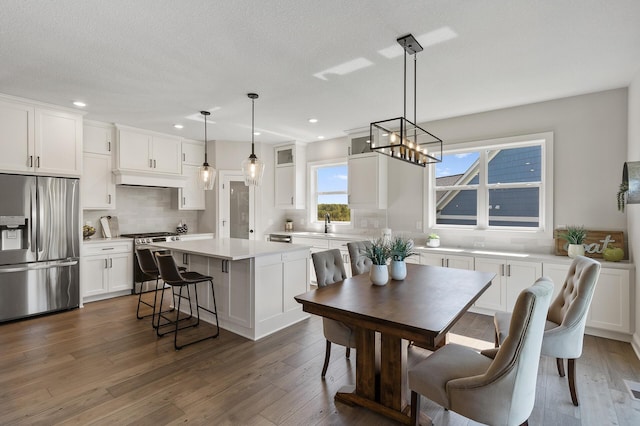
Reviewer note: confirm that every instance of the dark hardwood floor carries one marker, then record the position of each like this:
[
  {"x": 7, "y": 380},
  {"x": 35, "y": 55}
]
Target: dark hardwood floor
[{"x": 99, "y": 365}]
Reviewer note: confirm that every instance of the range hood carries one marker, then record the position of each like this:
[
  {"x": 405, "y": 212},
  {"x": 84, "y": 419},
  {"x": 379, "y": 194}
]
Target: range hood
[{"x": 128, "y": 177}]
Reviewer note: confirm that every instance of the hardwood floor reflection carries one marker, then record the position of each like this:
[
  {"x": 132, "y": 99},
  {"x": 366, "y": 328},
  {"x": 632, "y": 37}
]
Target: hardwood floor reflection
[{"x": 99, "y": 365}]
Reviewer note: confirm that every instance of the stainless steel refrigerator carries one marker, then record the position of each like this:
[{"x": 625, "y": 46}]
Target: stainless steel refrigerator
[{"x": 39, "y": 245}]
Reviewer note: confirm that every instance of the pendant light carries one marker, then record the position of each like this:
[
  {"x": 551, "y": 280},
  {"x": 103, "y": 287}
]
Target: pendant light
[
  {"x": 252, "y": 167},
  {"x": 206, "y": 173},
  {"x": 400, "y": 138}
]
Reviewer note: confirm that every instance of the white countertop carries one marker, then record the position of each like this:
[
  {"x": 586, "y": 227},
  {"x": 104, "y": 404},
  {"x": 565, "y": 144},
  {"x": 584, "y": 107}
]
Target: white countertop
[{"x": 230, "y": 248}]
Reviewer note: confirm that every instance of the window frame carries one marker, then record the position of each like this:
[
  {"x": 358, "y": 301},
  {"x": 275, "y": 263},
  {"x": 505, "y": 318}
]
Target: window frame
[
  {"x": 545, "y": 186},
  {"x": 312, "y": 168}
]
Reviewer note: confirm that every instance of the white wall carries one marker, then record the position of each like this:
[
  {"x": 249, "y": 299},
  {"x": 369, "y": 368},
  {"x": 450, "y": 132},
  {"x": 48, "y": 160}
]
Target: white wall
[{"x": 633, "y": 210}]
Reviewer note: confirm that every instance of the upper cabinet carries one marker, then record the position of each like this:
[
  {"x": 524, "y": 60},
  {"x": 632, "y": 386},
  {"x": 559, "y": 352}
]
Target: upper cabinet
[
  {"x": 192, "y": 152},
  {"x": 290, "y": 176},
  {"x": 40, "y": 140},
  {"x": 98, "y": 186},
  {"x": 148, "y": 152},
  {"x": 368, "y": 181},
  {"x": 98, "y": 137},
  {"x": 191, "y": 197}
]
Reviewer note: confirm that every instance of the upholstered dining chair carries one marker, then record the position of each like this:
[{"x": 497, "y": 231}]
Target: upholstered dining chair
[
  {"x": 496, "y": 386},
  {"x": 329, "y": 270},
  {"x": 359, "y": 262},
  {"x": 566, "y": 319}
]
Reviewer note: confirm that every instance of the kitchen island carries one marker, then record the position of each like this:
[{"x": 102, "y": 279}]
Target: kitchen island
[{"x": 254, "y": 281}]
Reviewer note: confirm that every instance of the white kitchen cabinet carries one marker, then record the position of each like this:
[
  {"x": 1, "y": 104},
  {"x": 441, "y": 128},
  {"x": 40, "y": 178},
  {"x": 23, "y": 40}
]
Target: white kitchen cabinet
[
  {"x": 447, "y": 260},
  {"x": 98, "y": 138},
  {"x": 148, "y": 152},
  {"x": 192, "y": 152},
  {"x": 98, "y": 187},
  {"x": 40, "y": 140},
  {"x": 233, "y": 285},
  {"x": 610, "y": 308},
  {"x": 512, "y": 276},
  {"x": 367, "y": 181},
  {"x": 290, "y": 176},
  {"x": 191, "y": 197},
  {"x": 106, "y": 269}
]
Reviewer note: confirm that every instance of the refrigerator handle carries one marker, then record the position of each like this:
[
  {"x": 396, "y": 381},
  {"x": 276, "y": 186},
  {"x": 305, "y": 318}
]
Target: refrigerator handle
[
  {"x": 34, "y": 213},
  {"x": 36, "y": 266}
]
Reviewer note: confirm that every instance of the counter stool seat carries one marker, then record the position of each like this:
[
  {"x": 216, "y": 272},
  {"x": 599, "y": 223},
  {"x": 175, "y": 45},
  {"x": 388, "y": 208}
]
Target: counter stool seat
[{"x": 179, "y": 281}]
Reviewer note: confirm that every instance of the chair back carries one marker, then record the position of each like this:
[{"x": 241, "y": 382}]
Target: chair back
[
  {"x": 329, "y": 267},
  {"x": 168, "y": 269},
  {"x": 509, "y": 384},
  {"x": 147, "y": 262},
  {"x": 359, "y": 262},
  {"x": 570, "y": 307}
]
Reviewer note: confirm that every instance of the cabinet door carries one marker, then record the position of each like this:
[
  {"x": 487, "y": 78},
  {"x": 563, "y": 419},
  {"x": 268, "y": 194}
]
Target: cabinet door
[
  {"x": 166, "y": 155},
  {"x": 191, "y": 197},
  {"x": 460, "y": 262},
  {"x": 495, "y": 297},
  {"x": 16, "y": 138},
  {"x": 192, "y": 153},
  {"x": 98, "y": 189},
  {"x": 520, "y": 275},
  {"x": 97, "y": 139},
  {"x": 367, "y": 181},
  {"x": 295, "y": 268},
  {"x": 220, "y": 285},
  {"x": 58, "y": 142},
  {"x": 285, "y": 156},
  {"x": 134, "y": 151},
  {"x": 93, "y": 273},
  {"x": 120, "y": 272},
  {"x": 285, "y": 182},
  {"x": 432, "y": 259},
  {"x": 609, "y": 308}
]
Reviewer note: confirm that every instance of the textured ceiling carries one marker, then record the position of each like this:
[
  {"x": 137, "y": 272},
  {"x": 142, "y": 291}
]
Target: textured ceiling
[{"x": 153, "y": 63}]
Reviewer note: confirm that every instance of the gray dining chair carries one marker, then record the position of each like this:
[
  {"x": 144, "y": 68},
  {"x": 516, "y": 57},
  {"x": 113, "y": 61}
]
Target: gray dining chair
[
  {"x": 496, "y": 386},
  {"x": 566, "y": 319},
  {"x": 329, "y": 269},
  {"x": 359, "y": 262}
]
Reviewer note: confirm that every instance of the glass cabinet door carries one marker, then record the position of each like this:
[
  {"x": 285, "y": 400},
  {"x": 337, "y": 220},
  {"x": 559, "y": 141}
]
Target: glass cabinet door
[{"x": 284, "y": 156}]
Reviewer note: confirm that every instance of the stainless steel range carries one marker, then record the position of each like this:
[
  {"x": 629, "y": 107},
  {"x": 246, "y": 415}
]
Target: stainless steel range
[{"x": 145, "y": 240}]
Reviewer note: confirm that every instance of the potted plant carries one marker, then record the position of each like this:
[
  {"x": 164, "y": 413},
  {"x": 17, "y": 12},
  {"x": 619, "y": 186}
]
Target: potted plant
[
  {"x": 378, "y": 253},
  {"x": 433, "y": 240},
  {"x": 288, "y": 225},
  {"x": 575, "y": 236},
  {"x": 400, "y": 249},
  {"x": 622, "y": 195}
]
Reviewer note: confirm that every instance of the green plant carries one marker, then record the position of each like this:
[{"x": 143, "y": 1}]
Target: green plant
[
  {"x": 401, "y": 248},
  {"x": 575, "y": 234},
  {"x": 434, "y": 237},
  {"x": 378, "y": 252},
  {"x": 622, "y": 195}
]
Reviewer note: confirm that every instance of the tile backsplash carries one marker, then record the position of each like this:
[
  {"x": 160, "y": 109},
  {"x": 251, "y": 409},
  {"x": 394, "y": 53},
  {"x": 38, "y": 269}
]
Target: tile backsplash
[{"x": 145, "y": 209}]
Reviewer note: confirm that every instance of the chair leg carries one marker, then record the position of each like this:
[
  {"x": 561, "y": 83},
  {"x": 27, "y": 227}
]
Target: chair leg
[
  {"x": 525, "y": 423},
  {"x": 571, "y": 364},
  {"x": 348, "y": 352},
  {"x": 327, "y": 355},
  {"x": 415, "y": 408},
  {"x": 496, "y": 342},
  {"x": 560, "y": 365}
]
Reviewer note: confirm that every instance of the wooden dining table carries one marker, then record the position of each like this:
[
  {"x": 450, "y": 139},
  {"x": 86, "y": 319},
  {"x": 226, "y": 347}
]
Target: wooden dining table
[{"x": 422, "y": 308}]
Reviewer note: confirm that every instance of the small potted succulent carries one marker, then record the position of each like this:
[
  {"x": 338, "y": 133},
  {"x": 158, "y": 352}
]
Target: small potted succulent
[
  {"x": 575, "y": 236},
  {"x": 400, "y": 248},
  {"x": 378, "y": 253},
  {"x": 433, "y": 240}
]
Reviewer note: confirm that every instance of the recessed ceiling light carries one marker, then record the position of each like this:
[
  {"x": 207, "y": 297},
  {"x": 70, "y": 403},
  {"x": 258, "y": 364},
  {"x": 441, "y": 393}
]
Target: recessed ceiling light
[
  {"x": 313, "y": 120},
  {"x": 256, "y": 133},
  {"x": 178, "y": 126},
  {"x": 320, "y": 137},
  {"x": 80, "y": 104}
]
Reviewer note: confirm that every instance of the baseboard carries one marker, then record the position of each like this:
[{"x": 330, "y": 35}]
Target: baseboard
[{"x": 635, "y": 344}]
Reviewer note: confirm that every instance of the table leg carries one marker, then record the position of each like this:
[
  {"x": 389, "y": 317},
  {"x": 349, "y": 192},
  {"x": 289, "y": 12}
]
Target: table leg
[
  {"x": 366, "y": 363},
  {"x": 393, "y": 372}
]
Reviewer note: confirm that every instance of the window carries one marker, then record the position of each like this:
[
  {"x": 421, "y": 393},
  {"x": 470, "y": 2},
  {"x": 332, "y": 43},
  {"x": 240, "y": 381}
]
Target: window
[
  {"x": 329, "y": 192},
  {"x": 499, "y": 184}
]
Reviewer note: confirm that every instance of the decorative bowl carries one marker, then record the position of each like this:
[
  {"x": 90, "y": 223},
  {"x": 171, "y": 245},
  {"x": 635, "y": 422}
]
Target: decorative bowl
[{"x": 88, "y": 231}]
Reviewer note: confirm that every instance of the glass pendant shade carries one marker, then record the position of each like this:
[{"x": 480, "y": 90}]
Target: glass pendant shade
[
  {"x": 206, "y": 177},
  {"x": 253, "y": 170},
  {"x": 206, "y": 173}
]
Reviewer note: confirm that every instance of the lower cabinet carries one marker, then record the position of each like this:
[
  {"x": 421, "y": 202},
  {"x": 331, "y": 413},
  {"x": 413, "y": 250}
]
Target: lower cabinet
[
  {"x": 106, "y": 269},
  {"x": 448, "y": 261},
  {"x": 512, "y": 276}
]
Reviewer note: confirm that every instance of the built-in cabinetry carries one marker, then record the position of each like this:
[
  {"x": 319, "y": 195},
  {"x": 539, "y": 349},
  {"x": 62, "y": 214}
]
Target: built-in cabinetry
[
  {"x": 317, "y": 245},
  {"x": 98, "y": 185},
  {"x": 290, "y": 176},
  {"x": 191, "y": 196},
  {"x": 447, "y": 260},
  {"x": 37, "y": 139},
  {"x": 106, "y": 269},
  {"x": 513, "y": 276},
  {"x": 367, "y": 184}
]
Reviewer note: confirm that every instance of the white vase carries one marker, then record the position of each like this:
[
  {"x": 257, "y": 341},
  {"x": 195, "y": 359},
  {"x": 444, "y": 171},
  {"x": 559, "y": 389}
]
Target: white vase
[
  {"x": 575, "y": 250},
  {"x": 433, "y": 242},
  {"x": 398, "y": 270},
  {"x": 379, "y": 274}
]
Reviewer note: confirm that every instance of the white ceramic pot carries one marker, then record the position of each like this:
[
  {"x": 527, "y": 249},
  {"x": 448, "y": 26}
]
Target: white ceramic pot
[
  {"x": 398, "y": 270},
  {"x": 433, "y": 242},
  {"x": 379, "y": 274},
  {"x": 575, "y": 250}
]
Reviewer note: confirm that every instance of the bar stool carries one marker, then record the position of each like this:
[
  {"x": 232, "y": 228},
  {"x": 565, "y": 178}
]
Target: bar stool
[
  {"x": 179, "y": 280},
  {"x": 150, "y": 272}
]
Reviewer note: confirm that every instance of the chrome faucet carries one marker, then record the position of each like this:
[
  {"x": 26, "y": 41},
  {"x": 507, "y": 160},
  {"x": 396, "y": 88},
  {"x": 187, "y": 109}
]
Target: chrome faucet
[{"x": 327, "y": 221}]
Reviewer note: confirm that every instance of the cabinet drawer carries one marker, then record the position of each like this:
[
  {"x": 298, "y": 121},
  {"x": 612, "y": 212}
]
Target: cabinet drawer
[
  {"x": 94, "y": 249},
  {"x": 314, "y": 242}
]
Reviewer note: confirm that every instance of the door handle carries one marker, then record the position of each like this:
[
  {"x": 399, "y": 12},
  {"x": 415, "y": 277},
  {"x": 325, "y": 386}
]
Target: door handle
[
  {"x": 251, "y": 231},
  {"x": 447, "y": 263},
  {"x": 106, "y": 263},
  {"x": 508, "y": 270},
  {"x": 110, "y": 263},
  {"x": 502, "y": 270},
  {"x": 150, "y": 163},
  {"x": 291, "y": 200},
  {"x": 31, "y": 161},
  {"x": 154, "y": 164},
  {"x": 109, "y": 199},
  {"x": 184, "y": 201},
  {"x": 38, "y": 162},
  {"x": 109, "y": 146},
  {"x": 184, "y": 158}
]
